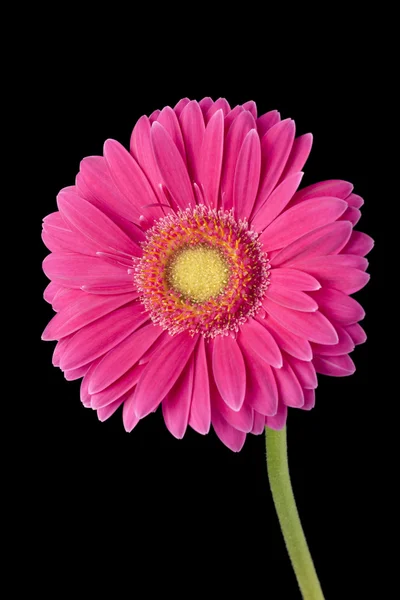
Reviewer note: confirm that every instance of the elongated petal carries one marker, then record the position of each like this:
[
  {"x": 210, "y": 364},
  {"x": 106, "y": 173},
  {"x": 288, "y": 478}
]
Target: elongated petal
[
  {"x": 261, "y": 389},
  {"x": 332, "y": 271},
  {"x": 359, "y": 243},
  {"x": 231, "y": 437},
  {"x": 95, "y": 225},
  {"x": 313, "y": 326},
  {"x": 291, "y": 298},
  {"x": 266, "y": 121},
  {"x": 354, "y": 200},
  {"x": 211, "y": 159},
  {"x": 176, "y": 404},
  {"x": 333, "y": 187},
  {"x": 328, "y": 239},
  {"x": 192, "y": 125},
  {"x": 83, "y": 310},
  {"x": 200, "y": 409},
  {"x": 242, "y": 419},
  {"x": 278, "y": 421},
  {"x": 169, "y": 120},
  {"x": 351, "y": 214},
  {"x": 251, "y": 106},
  {"x": 124, "y": 385},
  {"x": 231, "y": 116},
  {"x": 162, "y": 372},
  {"x": 84, "y": 391},
  {"x": 65, "y": 240},
  {"x": 301, "y": 219},
  {"x": 247, "y": 175},
  {"x": 172, "y": 167},
  {"x": 129, "y": 417},
  {"x": 335, "y": 366},
  {"x": 178, "y": 108},
  {"x": 258, "y": 424},
  {"x": 229, "y": 371},
  {"x": 344, "y": 345},
  {"x": 205, "y": 104},
  {"x": 276, "y": 146},
  {"x": 304, "y": 372},
  {"x": 73, "y": 374},
  {"x": 76, "y": 270},
  {"x": 356, "y": 333},
  {"x": 339, "y": 306},
  {"x": 298, "y": 156},
  {"x": 123, "y": 357},
  {"x": 50, "y": 291},
  {"x": 293, "y": 279},
  {"x": 289, "y": 388},
  {"x": 99, "y": 337},
  {"x": 294, "y": 345},
  {"x": 142, "y": 150},
  {"x": 240, "y": 127},
  {"x": 220, "y": 104},
  {"x": 253, "y": 334},
  {"x": 309, "y": 399},
  {"x": 276, "y": 202},
  {"x": 107, "y": 411}
]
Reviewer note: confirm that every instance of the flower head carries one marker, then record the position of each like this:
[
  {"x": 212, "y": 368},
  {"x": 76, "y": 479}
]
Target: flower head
[{"x": 190, "y": 272}]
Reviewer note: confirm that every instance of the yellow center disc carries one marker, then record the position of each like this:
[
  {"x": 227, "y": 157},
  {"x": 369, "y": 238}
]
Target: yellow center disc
[{"x": 198, "y": 273}]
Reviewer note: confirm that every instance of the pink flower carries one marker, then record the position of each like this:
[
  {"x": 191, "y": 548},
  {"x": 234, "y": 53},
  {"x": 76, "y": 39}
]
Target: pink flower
[{"x": 190, "y": 272}]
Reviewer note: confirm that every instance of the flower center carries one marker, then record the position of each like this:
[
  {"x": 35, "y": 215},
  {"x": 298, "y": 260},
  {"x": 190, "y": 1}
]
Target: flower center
[
  {"x": 198, "y": 273},
  {"x": 201, "y": 271}
]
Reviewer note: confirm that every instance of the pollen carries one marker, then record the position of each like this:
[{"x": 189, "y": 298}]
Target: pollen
[
  {"x": 198, "y": 273},
  {"x": 201, "y": 271}
]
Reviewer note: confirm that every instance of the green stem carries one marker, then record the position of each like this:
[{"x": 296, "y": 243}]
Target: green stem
[{"x": 285, "y": 504}]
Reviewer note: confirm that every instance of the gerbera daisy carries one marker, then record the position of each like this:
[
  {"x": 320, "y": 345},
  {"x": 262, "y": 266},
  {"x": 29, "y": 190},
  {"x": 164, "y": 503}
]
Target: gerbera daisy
[{"x": 189, "y": 272}]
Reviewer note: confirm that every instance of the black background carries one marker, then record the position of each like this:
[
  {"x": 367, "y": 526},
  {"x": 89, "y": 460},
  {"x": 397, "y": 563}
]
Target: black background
[{"x": 144, "y": 508}]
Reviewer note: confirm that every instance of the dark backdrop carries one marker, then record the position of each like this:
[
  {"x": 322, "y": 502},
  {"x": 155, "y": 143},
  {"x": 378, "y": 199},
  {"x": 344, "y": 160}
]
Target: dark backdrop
[{"x": 191, "y": 514}]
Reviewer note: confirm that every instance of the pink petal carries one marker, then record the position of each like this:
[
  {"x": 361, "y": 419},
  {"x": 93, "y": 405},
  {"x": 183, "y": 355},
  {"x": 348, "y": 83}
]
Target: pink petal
[
  {"x": 299, "y": 220},
  {"x": 172, "y": 167},
  {"x": 344, "y": 345},
  {"x": 309, "y": 399},
  {"x": 200, "y": 410},
  {"x": 357, "y": 333},
  {"x": 259, "y": 424},
  {"x": 332, "y": 187},
  {"x": 142, "y": 150},
  {"x": 97, "y": 178},
  {"x": 178, "y": 108},
  {"x": 176, "y": 404},
  {"x": 147, "y": 356},
  {"x": 240, "y": 127},
  {"x": 247, "y": 175},
  {"x": 313, "y": 326},
  {"x": 351, "y": 214},
  {"x": 192, "y": 124},
  {"x": 338, "y": 306},
  {"x": 162, "y": 372},
  {"x": 293, "y": 279},
  {"x": 102, "y": 335},
  {"x": 289, "y": 388},
  {"x": 276, "y": 146},
  {"x": 129, "y": 417},
  {"x": 106, "y": 412},
  {"x": 359, "y": 243},
  {"x": 278, "y": 421},
  {"x": 328, "y": 239},
  {"x": 289, "y": 342},
  {"x": 205, "y": 104},
  {"x": 335, "y": 366},
  {"x": 65, "y": 240},
  {"x": 242, "y": 419},
  {"x": 65, "y": 297},
  {"x": 73, "y": 374},
  {"x": 130, "y": 179},
  {"x": 50, "y": 291},
  {"x": 154, "y": 116},
  {"x": 220, "y": 104},
  {"x": 76, "y": 270},
  {"x": 266, "y": 121},
  {"x": 83, "y": 310},
  {"x": 229, "y": 371},
  {"x": 291, "y": 298},
  {"x": 354, "y": 200},
  {"x": 168, "y": 119},
  {"x": 95, "y": 225},
  {"x": 332, "y": 271},
  {"x": 261, "y": 389},
  {"x": 298, "y": 156},
  {"x": 253, "y": 334},
  {"x": 304, "y": 372},
  {"x": 84, "y": 391},
  {"x": 124, "y": 385},
  {"x": 123, "y": 357},
  {"x": 231, "y": 116},
  {"x": 276, "y": 202},
  {"x": 231, "y": 437},
  {"x": 211, "y": 159},
  {"x": 251, "y": 106}
]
